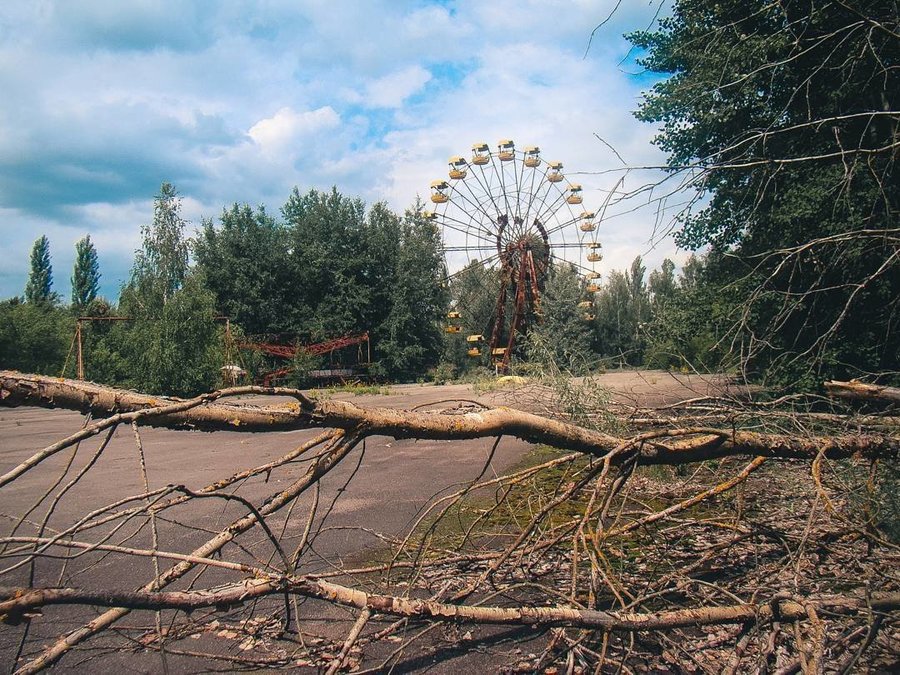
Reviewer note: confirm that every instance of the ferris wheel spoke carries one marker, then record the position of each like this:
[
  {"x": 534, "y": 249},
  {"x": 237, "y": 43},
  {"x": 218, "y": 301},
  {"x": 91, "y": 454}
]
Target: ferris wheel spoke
[
  {"x": 562, "y": 225},
  {"x": 531, "y": 194},
  {"x": 551, "y": 207},
  {"x": 473, "y": 201},
  {"x": 485, "y": 184},
  {"x": 468, "y": 228},
  {"x": 517, "y": 182},
  {"x": 471, "y": 225},
  {"x": 503, "y": 191},
  {"x": 486, "y": 264}
]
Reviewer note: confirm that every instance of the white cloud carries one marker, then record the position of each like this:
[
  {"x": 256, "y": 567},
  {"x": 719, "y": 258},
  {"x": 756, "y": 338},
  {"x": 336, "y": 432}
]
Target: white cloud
[
  {"x": 391, "y": 90},
  {"x": 279, "y": 132}
]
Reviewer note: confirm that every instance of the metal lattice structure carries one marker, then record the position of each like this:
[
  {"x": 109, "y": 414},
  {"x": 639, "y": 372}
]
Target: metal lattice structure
[{"x": 515, "y": 213}]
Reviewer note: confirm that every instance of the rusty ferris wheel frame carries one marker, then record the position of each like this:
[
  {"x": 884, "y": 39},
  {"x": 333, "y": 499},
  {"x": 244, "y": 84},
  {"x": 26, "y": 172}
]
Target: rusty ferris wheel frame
[{"x": 513, "y": 212}]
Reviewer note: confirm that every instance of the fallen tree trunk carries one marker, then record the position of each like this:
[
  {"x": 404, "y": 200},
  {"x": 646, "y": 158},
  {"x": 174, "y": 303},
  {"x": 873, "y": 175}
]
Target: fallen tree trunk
[
  {"x": 861, "y": 391},
  {"x": 206, "y": 414}
]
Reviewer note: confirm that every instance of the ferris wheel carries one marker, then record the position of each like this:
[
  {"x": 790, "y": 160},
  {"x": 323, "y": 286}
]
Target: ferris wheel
[{"x": 513, "y": 213}]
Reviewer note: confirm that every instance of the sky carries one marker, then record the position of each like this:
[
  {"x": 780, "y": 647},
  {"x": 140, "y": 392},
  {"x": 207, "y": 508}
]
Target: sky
[{"x": 241, "y": 101}]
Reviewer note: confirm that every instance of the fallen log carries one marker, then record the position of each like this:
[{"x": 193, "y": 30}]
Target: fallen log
[
  {"x": 860, "y": 391},
  {"x": 207, "y": 413}
]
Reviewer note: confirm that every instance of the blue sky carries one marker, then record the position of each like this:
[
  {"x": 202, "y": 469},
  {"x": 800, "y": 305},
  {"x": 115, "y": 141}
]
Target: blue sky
[{"x": 240, "y": 101}]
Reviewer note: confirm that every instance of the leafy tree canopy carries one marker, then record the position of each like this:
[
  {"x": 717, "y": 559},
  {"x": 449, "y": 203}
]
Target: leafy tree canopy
[{"x": 784, "y": 116}]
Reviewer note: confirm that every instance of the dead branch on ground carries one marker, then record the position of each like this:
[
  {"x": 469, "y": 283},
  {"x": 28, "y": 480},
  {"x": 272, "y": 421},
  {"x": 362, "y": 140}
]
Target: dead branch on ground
[{"x": 763, "y": 565}]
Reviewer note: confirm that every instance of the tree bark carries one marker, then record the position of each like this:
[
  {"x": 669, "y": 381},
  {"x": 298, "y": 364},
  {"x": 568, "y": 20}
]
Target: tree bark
[{"x": 206, "y": 414}]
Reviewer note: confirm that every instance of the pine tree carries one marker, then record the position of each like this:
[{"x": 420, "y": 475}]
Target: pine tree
[
  {"x": 85, "y": 275},
  {"x": 40, "y": 279}
]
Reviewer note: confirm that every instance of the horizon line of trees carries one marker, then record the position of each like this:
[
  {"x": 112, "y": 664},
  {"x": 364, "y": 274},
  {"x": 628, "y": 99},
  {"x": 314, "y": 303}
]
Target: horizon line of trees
[{"x": 326, "y": 268}]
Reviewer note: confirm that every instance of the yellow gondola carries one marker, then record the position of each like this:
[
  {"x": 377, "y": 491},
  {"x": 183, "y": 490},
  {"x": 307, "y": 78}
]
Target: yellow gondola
[
  {"x": 593, "y": 245},
  {"x": 506, "y": 150},
  {"x": 554, "y": 174},
  {"x": 429, "y": 215},
  {"x": 585, "y": 304},
  {"x": 532, "y": 156},
  {"x": 475, "y": 351},
  {"x": 453, "y": 329},
  {"x": 498, "y": 351},
  {"x": 587, "y": 226},
  {"x": 438, "y": 196},
  {"x": 594, "y": 256},
  {"x": 481, "y": 154},
  {"x": 458, "y": 167},
  {"x": 588, "y": 317},
  {"x": 592, "y": 288},
  {"x": 475, "y": 338},
  {"x": 592, "y": 275},
  {"x": 574, "y": 194},
  {"x": 453, "y": 315}
]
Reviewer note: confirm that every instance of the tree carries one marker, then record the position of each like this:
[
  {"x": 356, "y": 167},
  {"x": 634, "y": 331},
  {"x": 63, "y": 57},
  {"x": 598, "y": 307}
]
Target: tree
[
  {"x": 563, "y": 334},
  {"x": 623, "y": 308},
  {"x": 784, "y": 118},
  {"x": 661, "y": 285},
  {"x": 473, "y": 293},
  {"x": 172, "y": 344},
  {"x": 325, "y": 235},
  {"x": 85, "y": 275},
  {"x": 418, "y": 301},
  {"x": 38, "y": 289},
  {"x": 34, "y": 336},
  {"x": 245, "y": 263},
  {"x": 689, "y": 318},
  {"x": 161, "y": 264}
]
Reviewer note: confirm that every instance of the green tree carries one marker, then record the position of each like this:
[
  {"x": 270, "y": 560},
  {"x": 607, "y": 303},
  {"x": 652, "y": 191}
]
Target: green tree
[
  {"x": 172, "y": 344},
  {"x": 180, "y": 351},
  {"x": 473, "y": 293},
  {"x": 661, "y": 285},
  {"x": 622, "y": 313},
  {"x": 690, "y": 320},
  {"x": 418, "y": 303},
  {"x": 325, "y": 241},
  {"x": 85, "y": 275},
  {"x": 161, "y": 264},
  {"x": 562, "y": 333},
  {"x": 34, "y": 336},
  {"x": 784, "y": 117},
  {"x": 245, "y": 263},
  {"x": 39, "y": 288}
]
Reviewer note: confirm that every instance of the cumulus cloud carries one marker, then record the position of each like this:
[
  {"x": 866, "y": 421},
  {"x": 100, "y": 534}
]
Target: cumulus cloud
[{"x": 277, "y": 133}]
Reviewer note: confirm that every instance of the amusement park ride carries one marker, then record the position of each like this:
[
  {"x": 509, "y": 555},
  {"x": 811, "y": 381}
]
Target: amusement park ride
[
  {"x": 512, "y": 211},
  {"x": 233, "y": 373},
  {"x": 317, "y": 349}
]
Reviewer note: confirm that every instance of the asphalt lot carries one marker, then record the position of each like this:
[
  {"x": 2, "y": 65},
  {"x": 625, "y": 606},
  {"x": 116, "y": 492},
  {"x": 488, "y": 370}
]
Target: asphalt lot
[{"x": 381, "y": 486}]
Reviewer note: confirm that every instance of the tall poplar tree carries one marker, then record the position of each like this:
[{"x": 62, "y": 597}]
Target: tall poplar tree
[
  {"x": 85, "y": 275},
  {"x": 40, "y": 278}
]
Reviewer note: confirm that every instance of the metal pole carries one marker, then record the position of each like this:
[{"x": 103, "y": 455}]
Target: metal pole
[{"x": 80, "y": 354}]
